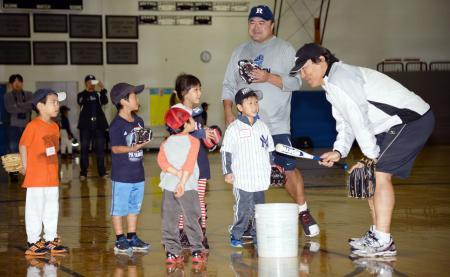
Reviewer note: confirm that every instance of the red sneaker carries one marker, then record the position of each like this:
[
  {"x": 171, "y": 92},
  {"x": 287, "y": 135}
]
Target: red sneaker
[
  {"x": 173, "y": 259},
  {"x": 199, "y": 257}
]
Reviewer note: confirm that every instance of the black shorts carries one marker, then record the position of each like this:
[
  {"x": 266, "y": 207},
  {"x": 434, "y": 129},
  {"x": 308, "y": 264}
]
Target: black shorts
[
  {"x": 287, "y": 162},
  {"x": 400, "y": 145}
]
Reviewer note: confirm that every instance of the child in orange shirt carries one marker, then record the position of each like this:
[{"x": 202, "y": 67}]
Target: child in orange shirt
[{"x": 38, "y": 149}]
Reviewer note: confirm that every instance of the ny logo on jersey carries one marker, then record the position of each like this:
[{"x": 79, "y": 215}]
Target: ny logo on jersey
[
  {"x": 259, "y": 60},
  {"x": 264, "y": 141}
]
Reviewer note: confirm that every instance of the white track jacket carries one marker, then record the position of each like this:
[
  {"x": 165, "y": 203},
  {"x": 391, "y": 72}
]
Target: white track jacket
[{"x": 365, "y": 103}]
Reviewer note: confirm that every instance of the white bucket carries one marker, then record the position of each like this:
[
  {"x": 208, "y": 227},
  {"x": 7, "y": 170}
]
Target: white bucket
[
  {"x": 277, "y": 230},
  {"x": 278, "y": 267}
]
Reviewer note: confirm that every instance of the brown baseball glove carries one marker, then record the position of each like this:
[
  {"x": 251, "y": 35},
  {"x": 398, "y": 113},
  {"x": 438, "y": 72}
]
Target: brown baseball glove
[
  {"x": 361, "y": 182},
  {"x": 245, "y": 70},
  {"x": 277, "y": 177},
  {"x": 12, "y": 162}
]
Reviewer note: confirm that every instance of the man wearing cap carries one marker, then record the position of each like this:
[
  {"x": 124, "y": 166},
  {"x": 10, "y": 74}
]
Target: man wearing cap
[
  {"x": 92, "y": 124},
  {"x": 18, "y": 105},
  {"x": 390, "y": 124},
  {"x": 275, "y": 57}
]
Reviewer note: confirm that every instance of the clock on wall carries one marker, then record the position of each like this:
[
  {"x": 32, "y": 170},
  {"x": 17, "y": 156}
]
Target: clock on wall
[{"x": 205, "y": 56}]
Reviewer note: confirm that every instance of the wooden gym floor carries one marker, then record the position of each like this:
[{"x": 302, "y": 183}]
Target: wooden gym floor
[{"x": 421, "y": 227}]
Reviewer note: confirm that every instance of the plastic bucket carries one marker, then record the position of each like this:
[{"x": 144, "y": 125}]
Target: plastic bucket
[
  {"x": 278, "y": 267},
  {"x": 277, "y": 230}
]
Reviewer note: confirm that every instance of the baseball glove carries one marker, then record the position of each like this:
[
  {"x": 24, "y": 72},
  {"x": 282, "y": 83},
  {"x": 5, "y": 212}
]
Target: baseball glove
[
  {"x": 245, "y": 70},
  {"x": 361, "y": 182},
  {"x": 141, "y": 135},
  {"x": 211, "y": 144},
  {"x": 12, "y": 162},
  {"x": 277, "y": 176}
]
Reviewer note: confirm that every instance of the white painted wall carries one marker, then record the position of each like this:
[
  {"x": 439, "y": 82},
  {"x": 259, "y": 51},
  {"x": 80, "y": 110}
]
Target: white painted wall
[
  {"x": 361, "y": 32},
  {"x": 364, "y": 32}
]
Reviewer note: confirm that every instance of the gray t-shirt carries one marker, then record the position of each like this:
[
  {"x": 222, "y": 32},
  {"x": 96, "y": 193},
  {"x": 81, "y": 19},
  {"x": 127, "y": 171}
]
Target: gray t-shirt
[
  {"x": 278, "y": 56},
  {"x": 18, "y": 105}
]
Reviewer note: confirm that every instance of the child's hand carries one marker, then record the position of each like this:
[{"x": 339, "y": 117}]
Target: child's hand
[
  {"x": 137, "y": 147},
  {"x": 210, "y": 134},
  {"x": 229, "y": 178},
  {"x": 23, "y": 170},
  {"x": 179, "y": 191}
]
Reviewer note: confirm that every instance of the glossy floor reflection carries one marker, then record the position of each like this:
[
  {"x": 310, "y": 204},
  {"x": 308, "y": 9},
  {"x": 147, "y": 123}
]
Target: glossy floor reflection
[{"x": 421, "y": 228}]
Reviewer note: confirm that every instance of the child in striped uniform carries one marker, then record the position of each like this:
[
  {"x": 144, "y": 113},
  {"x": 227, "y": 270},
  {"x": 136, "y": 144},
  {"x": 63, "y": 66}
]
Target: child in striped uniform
[
  {"x": 188, "y": 91},
  {"x": 177, "y": 158},
  {"x": 246, "y": 161}
]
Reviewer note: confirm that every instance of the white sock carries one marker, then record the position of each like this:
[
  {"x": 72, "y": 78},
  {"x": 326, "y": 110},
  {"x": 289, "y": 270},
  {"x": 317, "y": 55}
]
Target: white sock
[
  {"x": 372, "y": 228},
  {"x": 302, "y": 208},
  {"x": 382, "y": 237}
]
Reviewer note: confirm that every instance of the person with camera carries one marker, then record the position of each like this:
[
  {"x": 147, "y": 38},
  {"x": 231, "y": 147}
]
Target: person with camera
[
  {"x": 19, "y": 107},
  {"x": 92, "y": 124}
]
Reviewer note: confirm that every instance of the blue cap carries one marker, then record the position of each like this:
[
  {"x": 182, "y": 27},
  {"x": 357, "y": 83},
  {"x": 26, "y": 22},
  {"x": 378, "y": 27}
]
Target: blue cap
[
  {"x": 244, "y": 93},
  {"x": 43, "y": 92},
  {"x": 121, "y": 90},
  {"x": 261, "y": 11}
]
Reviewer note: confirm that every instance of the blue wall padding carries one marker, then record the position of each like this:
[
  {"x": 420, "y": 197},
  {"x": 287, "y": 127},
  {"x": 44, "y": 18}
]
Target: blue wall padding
[{"x": 311, "y": 117}]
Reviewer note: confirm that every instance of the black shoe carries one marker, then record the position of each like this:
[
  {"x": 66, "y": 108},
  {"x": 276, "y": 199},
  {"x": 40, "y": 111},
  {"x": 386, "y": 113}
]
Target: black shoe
[{"x": 310, "y": 226}]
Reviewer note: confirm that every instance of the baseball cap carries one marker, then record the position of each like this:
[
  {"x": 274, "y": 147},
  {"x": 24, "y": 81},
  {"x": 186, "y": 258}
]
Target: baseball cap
[
  {"x": 261, "y": 11},
  {"x": 246, "y": 93},
  {"x": 306, "y": 52},
  {"x": 89, "y": 77},
  {"x": 176, "y": 117},
  {"x": 120, "y": 90},
  {"x": 40, "y": 94}
]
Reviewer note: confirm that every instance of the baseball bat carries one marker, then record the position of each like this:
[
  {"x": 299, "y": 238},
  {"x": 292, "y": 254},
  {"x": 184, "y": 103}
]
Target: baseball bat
[{"x": 294, "y": 152}]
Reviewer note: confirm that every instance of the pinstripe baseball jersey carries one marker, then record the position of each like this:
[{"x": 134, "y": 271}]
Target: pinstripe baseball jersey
[{"x": 249, "y": 147}]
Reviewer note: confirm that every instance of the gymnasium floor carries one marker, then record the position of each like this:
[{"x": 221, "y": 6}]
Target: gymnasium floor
[{"x": 421, "y": 227}]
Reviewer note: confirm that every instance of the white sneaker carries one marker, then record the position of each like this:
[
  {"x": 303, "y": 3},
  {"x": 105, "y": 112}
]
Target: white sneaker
[
  {"x": 358, "y": 243},
  {"x": 375, "y": 248}
]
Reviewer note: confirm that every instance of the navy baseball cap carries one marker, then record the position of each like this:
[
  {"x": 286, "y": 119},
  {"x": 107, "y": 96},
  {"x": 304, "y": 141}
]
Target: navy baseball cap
[
  {"x": 305, "y": 53},
  {"x": 244, "y": 93},
  {"x": 89, "y": 77},
  {"x": 43, "y": 92},
  {"x": 261, "y": 11},
  {"x": 121, "y": 90}
]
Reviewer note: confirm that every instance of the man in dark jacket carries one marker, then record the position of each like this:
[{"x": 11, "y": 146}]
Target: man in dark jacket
[
  {"x": 18, "y": 105},
  {"x": 92, "y": 124}
]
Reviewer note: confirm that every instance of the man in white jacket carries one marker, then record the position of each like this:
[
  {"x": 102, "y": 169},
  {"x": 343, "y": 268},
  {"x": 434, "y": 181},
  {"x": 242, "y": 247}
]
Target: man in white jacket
[{"x": 390, "y": 124}]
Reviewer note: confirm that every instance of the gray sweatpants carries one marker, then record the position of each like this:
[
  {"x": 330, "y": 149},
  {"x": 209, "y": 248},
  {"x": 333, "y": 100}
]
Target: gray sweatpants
[
  {"x": 189, "y": 206},
  {"x": 244, "y": 211}
]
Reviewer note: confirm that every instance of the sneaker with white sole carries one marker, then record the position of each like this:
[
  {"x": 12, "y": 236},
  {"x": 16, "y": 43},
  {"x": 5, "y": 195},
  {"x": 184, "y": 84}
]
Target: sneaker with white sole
[
  {"x": 373, "y": 247},
  {"x": 138, "y": 245},
  {"x": 310, "y": 227},
  {"x": 122, "y": 246},
  {"x": 358, "y": 243}
]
